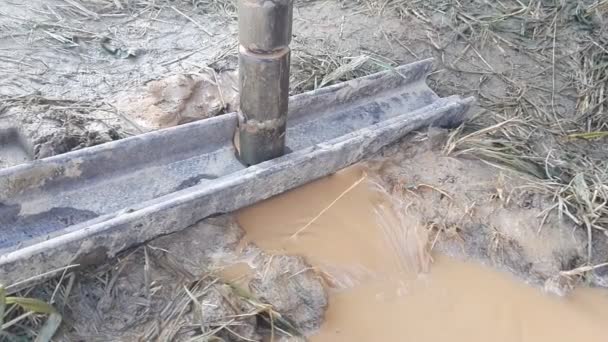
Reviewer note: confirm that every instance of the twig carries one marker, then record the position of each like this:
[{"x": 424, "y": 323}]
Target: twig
[
  {"x": 406, "y": 48},
  {"x": 83, "y": 9},
  {"x": 329, "y": 206},
  {"x": 219, "y": 88},
  {"x": 434, "y": 188},
  {"x": 15, "y": 286},
  {"x": 582, "y": 269},
  {"x": 180, "y": 58},
  {"x": 125, "y": 118},
  {"x": 193, "y": 21}
]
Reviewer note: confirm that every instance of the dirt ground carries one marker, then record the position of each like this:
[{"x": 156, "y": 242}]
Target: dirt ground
[{"x": 522, "y": 185}]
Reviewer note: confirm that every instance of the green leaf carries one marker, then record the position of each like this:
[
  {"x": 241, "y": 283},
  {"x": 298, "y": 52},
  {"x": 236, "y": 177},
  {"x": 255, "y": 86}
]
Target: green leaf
[
  {"x": 49, "y": 328},
  {"x": 589, "y": 136},
  {"x": 2, "y": 305},
  {"x": 31, "y": 304}
]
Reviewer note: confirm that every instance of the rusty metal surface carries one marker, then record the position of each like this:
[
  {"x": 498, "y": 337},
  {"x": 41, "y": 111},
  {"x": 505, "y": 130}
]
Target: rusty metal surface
[{"x": 90, "y": 204}]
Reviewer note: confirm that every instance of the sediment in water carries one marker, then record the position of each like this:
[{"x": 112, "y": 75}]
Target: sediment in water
[{"x": 385, "y": 285}]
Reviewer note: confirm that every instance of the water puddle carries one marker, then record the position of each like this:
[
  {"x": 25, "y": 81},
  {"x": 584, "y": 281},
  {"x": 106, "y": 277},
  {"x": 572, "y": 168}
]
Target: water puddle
[{"x": 376, "y": 270}]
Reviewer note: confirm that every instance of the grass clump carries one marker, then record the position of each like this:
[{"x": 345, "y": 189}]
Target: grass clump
[
  {"x": 557, "y": 133},
  {"x": 27, "y": 319}
]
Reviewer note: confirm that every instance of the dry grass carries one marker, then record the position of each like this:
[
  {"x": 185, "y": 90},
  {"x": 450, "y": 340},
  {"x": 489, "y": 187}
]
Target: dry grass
[
  {"x": 24, "y": 318},
  {"x": 313, "y": 68},
  {"x": 563, "y": 150},
  {"x": 143, "y": 295},
  {"x": 547, "y": 121}
]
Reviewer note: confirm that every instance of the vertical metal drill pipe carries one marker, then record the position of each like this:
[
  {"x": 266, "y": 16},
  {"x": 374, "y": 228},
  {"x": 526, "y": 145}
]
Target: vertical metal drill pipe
[{"x": 264, "y": 55}]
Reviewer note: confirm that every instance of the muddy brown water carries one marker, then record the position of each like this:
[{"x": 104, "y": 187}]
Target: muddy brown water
[{"x": 384, "y": 288}]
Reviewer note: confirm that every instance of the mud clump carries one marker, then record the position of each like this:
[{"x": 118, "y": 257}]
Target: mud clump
[
  {"x": 293, "y": 289},
  {"x": 48, "y": 127},
  {"x": 182, "y": 98},
  {"x": 170, "y": 290},
  {"x": 203, "y": 247},
  {"x": 599, "y": 276},
  {"x": 61, "y": 142},
  {"x": 470, "y": 210},
  {"x": 221, "y": 307}
]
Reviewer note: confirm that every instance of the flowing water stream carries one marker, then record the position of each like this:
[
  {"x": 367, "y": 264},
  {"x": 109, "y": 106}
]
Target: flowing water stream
[{"x": 383, "y": 286}]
